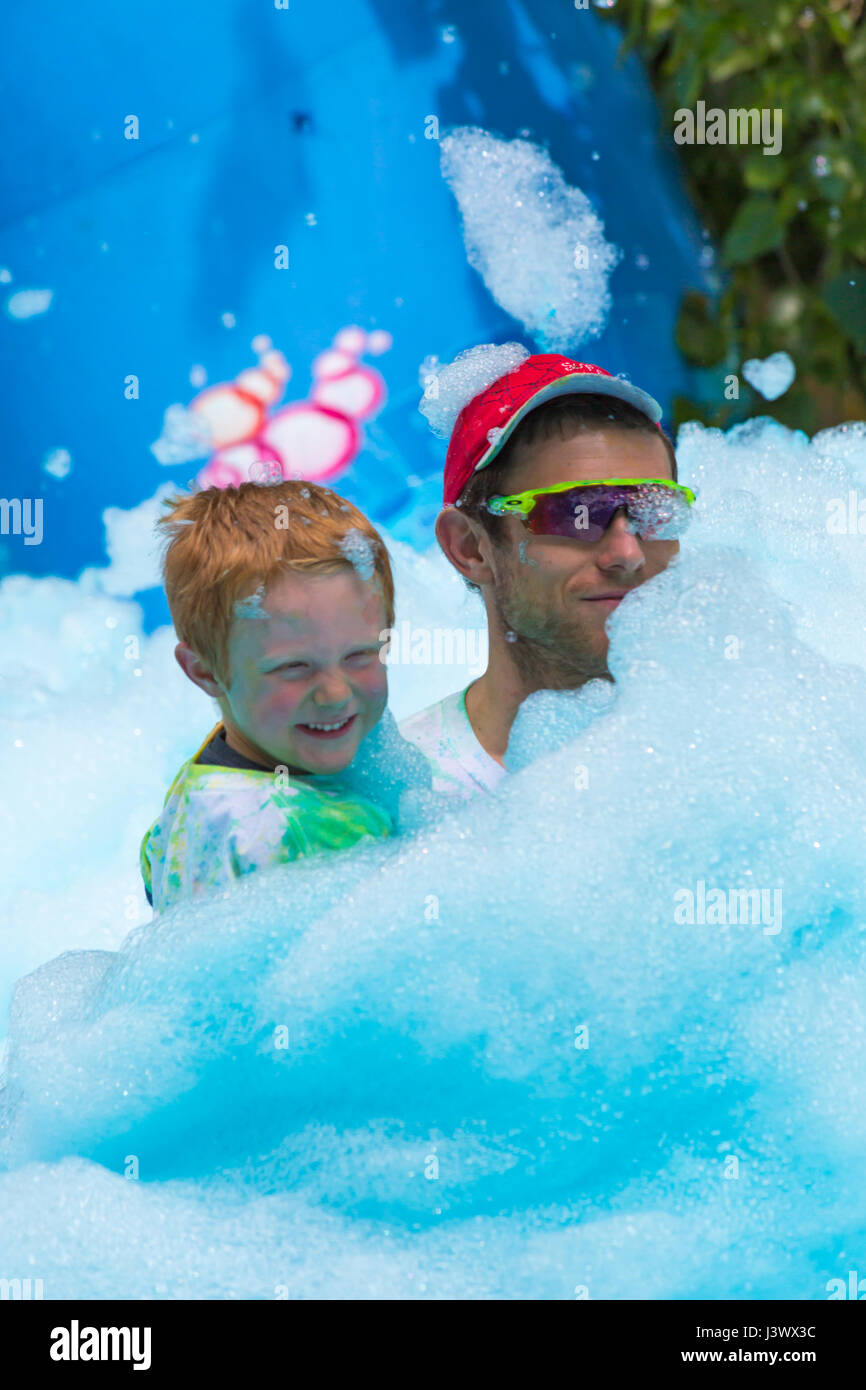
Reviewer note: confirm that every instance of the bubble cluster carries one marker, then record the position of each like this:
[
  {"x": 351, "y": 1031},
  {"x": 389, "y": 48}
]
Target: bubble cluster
[
  {"x": 28, "y": 304},
  {"x": 358, "y": 550},
  {"x": 537, "y": 242},
  {"x": 507, "y": 1052},
  {"x": 448, "y": 389},
  {"x": 770, "y": 376},
  {"x": 658, "y": 513},
  {"x": 185, "y": 435},
  {"x": 252, "y": 606}
]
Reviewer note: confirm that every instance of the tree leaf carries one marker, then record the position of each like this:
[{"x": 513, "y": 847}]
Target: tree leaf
[
  {"x": 762, "y": 172},
  {"x": 700, "y": 336},
  {"x": 756, "y": 228},
  {"x": 845, "y": 297},
  {"x": 743, "y": 59}
]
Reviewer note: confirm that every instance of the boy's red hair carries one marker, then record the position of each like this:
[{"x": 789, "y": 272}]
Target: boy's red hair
[{"x": 224, "y": 542}]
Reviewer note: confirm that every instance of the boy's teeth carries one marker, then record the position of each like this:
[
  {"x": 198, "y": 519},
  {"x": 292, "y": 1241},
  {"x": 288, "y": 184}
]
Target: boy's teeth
[{"x": 328, "y": 726}]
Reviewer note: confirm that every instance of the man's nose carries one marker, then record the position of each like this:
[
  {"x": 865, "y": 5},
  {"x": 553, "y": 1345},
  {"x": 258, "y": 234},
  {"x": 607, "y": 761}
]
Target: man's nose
[{"x": 619, "y": 548}]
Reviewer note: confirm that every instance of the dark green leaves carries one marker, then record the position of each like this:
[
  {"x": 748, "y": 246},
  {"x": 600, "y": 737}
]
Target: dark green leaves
[{"x": 756, "y": 228}]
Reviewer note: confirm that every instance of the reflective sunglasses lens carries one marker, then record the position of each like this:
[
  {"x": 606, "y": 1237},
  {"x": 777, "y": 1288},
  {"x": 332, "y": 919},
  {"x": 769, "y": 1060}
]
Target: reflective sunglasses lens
[
  {"x": 584, "y": 513},
  {"x": 658, "y": 513}
]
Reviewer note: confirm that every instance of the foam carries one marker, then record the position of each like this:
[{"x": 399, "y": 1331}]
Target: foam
[
  {"x": 434, "y": 1126},
  {"x": 28, "y": 304},
  {"x": 57, "y": 462},
  {"x": 537, "y": 242},
  {"x": 770, "y": 376},
  {"x": 447, "y": 389},
  {"x": 185, "y": 436},
  {"x": 252, "y": 606},
  {"x": 358, "y": 550}
]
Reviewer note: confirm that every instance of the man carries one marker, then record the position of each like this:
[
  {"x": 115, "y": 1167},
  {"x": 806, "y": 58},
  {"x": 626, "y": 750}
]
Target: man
[{"x": 538, "y": 519}]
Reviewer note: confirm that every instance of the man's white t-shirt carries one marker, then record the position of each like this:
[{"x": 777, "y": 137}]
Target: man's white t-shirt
[{"x": 461, "y": 767}]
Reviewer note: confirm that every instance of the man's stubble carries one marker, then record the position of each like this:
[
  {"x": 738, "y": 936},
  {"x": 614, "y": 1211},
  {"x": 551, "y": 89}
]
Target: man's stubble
[{"x": 550, "y": 652}]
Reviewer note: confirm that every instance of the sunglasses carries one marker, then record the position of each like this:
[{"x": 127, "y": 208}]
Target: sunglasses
[{"x": 656, "y": 509}]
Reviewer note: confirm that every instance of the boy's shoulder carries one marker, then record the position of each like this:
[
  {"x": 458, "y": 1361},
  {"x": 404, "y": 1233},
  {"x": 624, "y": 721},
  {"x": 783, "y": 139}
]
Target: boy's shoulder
[
  {"x": 220, "y": 822},
  {"x": 228, "y": 798}
]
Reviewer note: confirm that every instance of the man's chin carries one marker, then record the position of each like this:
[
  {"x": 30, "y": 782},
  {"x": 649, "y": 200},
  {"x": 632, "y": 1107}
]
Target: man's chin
[
  {"x": 564, "y": 666},
  {"x": 553, "y": 653}
]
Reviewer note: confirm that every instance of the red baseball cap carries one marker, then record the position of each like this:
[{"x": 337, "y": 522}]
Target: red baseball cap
[{"x": 501, "y": 407}]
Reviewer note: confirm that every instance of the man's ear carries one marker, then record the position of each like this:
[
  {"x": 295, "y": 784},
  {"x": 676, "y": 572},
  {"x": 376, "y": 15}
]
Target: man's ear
[
  {"x": 464, "y": 544},
  {"x": 200, "y": 674}
]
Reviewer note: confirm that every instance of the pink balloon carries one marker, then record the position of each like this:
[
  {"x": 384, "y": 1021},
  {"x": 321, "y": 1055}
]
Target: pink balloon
[
  {"x": 314, "y": 439},
  {"x": 358, "y": 393},
  {"x": 332, "y": 363},
  {"x": 311, "y": 441},
  {"x": 231, "y": 467},
  {"x": 276, "y": 365},
  {"x": 232, "y": 415},
  {"x": 351, "y": 339},
  {"x": 260, "y": 384},
  {"x": 379, "y": 341}
]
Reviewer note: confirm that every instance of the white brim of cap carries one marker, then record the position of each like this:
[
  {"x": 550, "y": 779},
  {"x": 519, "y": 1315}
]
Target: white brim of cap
[{"x": 576, "y": 384}]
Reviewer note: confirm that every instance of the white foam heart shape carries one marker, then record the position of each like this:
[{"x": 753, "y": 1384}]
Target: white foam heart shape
[{"x": 770, "y": 376}]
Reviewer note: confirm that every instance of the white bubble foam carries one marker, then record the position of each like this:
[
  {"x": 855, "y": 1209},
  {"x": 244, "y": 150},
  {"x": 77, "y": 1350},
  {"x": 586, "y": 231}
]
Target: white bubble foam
[
  {"x": 185, "y": 436},
  {"x": 252, "y": 606},
  {"x": 28, "y": 304},
  {"x": 537, "y": 242},
  {"x": 448, "y": 389},
  {"x": 358, "y": 550},
  {"x": 484, "y": 1058},
  {"x": 770, "y": 376},
  {"x": 57, "y": 462},
  {"x": 133, "y": 547}
]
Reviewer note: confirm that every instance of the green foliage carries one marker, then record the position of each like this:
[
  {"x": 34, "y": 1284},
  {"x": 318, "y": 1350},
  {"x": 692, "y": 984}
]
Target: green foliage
[
  {"x": 699, "y": 332},
  {"x": 757, "y": 227},
  {"x": 791, "y": 227}
]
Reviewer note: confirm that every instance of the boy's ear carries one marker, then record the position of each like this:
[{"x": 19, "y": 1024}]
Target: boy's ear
[{"x": 193, "y": 667}]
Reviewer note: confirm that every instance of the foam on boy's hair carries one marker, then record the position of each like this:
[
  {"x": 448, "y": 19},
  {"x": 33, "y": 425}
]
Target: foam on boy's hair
[
  {"x": 225, "y": 543},
  {"x": 253, "y": 606}
]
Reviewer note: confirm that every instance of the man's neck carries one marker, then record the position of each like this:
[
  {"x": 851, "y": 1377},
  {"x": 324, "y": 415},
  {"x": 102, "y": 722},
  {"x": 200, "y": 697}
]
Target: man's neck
[{"x": 492, "y": 702}]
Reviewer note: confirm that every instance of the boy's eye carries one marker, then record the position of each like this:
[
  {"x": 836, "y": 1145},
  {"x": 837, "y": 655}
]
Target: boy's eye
[
  {"x": 363, "y": 657},
  {"x": 291, "y": 668}
]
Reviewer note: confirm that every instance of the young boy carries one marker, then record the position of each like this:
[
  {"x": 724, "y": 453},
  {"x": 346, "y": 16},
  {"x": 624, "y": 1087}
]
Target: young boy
[{"x": 278, "y": 594}]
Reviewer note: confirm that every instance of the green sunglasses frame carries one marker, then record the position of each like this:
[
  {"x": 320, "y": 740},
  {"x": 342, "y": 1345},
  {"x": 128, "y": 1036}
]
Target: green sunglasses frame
[{"x": 521, "y": 503}]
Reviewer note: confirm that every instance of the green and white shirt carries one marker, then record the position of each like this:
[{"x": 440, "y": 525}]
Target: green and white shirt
[
  {"x": 460, "y": 766},
  {"x": 222, "y": 821}
]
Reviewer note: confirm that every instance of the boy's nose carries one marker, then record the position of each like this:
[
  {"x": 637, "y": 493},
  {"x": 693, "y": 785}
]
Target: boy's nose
[{"x": 332, "y": 689}]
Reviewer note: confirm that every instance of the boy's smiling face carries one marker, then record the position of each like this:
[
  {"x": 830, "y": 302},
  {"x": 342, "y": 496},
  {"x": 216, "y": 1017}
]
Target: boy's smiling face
[{"x": 306, "y": 656}]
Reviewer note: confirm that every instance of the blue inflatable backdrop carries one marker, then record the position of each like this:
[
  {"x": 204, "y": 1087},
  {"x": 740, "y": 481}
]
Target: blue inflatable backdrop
[{"x": 302, "y": 126}]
